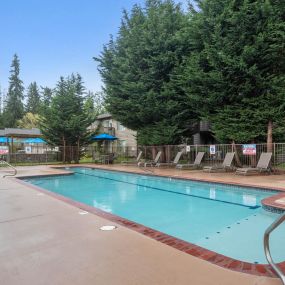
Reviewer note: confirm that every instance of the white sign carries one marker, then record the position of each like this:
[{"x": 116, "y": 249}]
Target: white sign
[
  {"x": 212, "y": 149},
  {"x": 187, "y": 148},
  {"x": 28, "y": 149}
]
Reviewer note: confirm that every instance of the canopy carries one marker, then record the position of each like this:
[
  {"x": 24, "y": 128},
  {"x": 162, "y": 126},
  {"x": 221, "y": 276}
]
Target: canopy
[
  {"x": 104, "y": 137},
  {"x": 4, "y": 140},
  {"x": 34, "y": 140}
]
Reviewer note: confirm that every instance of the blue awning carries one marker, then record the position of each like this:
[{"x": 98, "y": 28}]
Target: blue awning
[
  {"x": 104, "y": 137},
  {"x": 5, "y": 139},
  {"x": 34, "y": 140}
]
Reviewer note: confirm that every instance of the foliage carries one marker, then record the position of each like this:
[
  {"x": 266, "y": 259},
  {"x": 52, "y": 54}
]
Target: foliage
[
  {"x": 46, "y": 96},
  {"x": 66, "y": 120},
  {"x": 29, "y": 121},
  {"x": 14, "y": 108},
  {"x": 34, "y": 100},
  {"x": 139, "y": 70},
  {"x": 236, "y": 75},
  {"x": 95, "y": 104}
]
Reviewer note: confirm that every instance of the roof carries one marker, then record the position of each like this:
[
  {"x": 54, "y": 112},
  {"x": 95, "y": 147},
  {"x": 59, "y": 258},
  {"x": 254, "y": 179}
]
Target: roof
[
  {"x": 104, "y": 116},
  {"x": 16, "y": 132}
]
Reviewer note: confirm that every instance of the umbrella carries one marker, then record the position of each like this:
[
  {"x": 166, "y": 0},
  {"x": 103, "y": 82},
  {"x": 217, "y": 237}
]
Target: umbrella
[
  {"x": 104, "y": 137},
  {"x": 34, "y": 140}
]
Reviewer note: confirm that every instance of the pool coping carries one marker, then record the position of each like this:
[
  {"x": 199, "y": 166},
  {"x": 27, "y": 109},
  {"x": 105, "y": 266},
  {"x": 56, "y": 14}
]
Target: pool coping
[{"x": 184, "y": 246}]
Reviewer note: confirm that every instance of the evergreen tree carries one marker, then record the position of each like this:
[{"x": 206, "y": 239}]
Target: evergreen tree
[
  {"x": 95, "y": 104},
  {"x": 14, "y": 108},
  {"x": 236, "y": 75},
  {"x": 34, "y": 101},
  {"x": 66, "y": 120},
  {"x": 139, "y": 70},
  {"x": 46, "y": 96}
]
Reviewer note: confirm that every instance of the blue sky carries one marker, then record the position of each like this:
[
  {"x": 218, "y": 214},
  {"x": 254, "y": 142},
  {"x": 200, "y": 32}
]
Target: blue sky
[{"x": 57, "y": 37}]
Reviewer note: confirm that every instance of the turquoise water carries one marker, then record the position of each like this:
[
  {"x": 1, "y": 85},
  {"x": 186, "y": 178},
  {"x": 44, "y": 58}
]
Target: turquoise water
[{"x": 226, "y": 219}]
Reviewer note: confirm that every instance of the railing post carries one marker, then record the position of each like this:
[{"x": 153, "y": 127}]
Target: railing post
[{"x": 267, "y": 233}]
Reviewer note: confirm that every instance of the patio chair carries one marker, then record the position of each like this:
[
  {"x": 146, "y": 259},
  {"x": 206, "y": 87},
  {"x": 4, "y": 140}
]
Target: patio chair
[
  {"x": 226, "y": 165},
  {"x": 196, "y": 164},
  {"x": 151, "y": 162},
  {"x": 108, "y": 158},
  {"x": 263, "y": 165},
  {"x": 172, "y": 163},
  {"x": 134, "y": 162}
]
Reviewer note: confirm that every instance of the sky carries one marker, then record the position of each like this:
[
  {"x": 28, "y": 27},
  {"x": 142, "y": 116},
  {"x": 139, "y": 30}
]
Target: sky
[{"x": 54, "y": 38}]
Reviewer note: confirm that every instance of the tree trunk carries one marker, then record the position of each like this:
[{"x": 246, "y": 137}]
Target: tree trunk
[
  {"x": 64, "y": 150},
  {"x": 269, "y": 136},
  {"x": 238, "y": 162},
  {"x": 77, "y": 155}
]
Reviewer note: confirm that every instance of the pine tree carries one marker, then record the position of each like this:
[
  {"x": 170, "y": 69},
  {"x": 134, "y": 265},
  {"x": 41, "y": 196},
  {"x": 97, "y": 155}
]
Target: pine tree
[
  {"x": 66, "y": 120},
  {"x": 14, "y": 108},
  {"x": 236, "y": 75},
  {"x": 139, "y": 70},
  {"x": 34, "y": 101},
  {"x": 46, "y": 96}
]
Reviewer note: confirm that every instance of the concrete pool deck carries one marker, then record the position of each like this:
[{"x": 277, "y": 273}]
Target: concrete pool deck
[{"x": 46, "y": 241}]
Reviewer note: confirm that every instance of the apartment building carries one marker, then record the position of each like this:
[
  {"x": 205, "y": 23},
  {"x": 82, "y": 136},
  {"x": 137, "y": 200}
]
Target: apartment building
[{"x": 126, "y": 141}]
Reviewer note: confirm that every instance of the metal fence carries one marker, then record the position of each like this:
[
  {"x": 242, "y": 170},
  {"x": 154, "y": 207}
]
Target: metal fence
[
  {"x": 42, "y": 154},
  {"x": 217, "y": 155}
]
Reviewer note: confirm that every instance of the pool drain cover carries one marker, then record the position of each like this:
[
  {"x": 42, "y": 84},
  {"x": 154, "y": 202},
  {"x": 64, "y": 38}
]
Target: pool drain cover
[{"x": 108, "y": 228}]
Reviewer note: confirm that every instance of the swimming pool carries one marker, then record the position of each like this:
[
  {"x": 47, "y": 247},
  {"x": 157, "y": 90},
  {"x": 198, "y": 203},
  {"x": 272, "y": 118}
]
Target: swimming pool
[{"x": 226, "y": 219}]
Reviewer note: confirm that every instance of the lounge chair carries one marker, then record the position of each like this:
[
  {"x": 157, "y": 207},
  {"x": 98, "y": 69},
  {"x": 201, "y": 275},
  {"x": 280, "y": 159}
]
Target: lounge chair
[
  {"x": 226, "y": 165},
  {"x": 172, "y": 163},
  {"x": 151, "y": 162},
  {"x": 134, "y": 162},
  {"x": 262, "y": 165},
  {"x": 196, "y": 164}
]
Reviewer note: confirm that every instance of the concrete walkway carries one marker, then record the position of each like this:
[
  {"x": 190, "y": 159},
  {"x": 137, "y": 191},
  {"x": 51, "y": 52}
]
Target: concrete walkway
[{"x": 46, "y": 241}]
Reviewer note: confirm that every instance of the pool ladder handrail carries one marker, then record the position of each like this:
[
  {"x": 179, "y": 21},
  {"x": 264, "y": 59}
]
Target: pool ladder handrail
[
  {"x": 9, "y": 165},
  {"x": 267, "y": 233}
]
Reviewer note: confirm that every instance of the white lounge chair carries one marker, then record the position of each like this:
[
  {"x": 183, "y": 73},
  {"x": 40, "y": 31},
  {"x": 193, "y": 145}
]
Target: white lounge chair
[
  {"x": 151, "y": 162},
  {"x": 172, "y": 163},
  {"x": 134, "y": 162},
  {"x": 196, "y": 164},
  {"x": 226, "y": 165},
  {"x": 262, "y": 165}
]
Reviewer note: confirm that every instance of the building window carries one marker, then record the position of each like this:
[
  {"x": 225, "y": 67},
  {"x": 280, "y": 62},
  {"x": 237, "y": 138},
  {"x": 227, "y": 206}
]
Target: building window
[
  {"x": 122, "y": 145},
  {"x": 121, "y": 127},
  {"x": 107, "y": 124}
]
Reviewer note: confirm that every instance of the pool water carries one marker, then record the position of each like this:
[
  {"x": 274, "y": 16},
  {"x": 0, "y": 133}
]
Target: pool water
[{"x": 226, "y": 219}]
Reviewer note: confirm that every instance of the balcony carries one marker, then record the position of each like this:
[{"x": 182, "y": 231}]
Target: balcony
[
  {"x": 204, "y": 126},
  {"x": 107, "y": 130},
  {"x": 199, "y": 127}
]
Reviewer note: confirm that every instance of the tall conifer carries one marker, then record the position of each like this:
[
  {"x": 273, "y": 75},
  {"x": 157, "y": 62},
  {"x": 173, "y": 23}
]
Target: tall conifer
[{"x": 14, "y": 108}]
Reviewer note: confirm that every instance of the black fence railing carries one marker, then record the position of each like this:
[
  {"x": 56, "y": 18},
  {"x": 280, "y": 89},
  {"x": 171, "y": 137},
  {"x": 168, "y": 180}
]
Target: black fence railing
[{"x": 246, "y": 155}]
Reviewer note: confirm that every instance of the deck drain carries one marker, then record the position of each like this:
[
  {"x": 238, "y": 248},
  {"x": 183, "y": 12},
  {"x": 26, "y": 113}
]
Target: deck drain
[
  {"x": 40, "y": 194},
  {"x": 108, "y": 228},
  {"x": 83, "y": 213}
]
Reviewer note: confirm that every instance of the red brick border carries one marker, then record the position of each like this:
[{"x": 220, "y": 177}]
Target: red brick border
[{"x": 187, "y": 247}]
